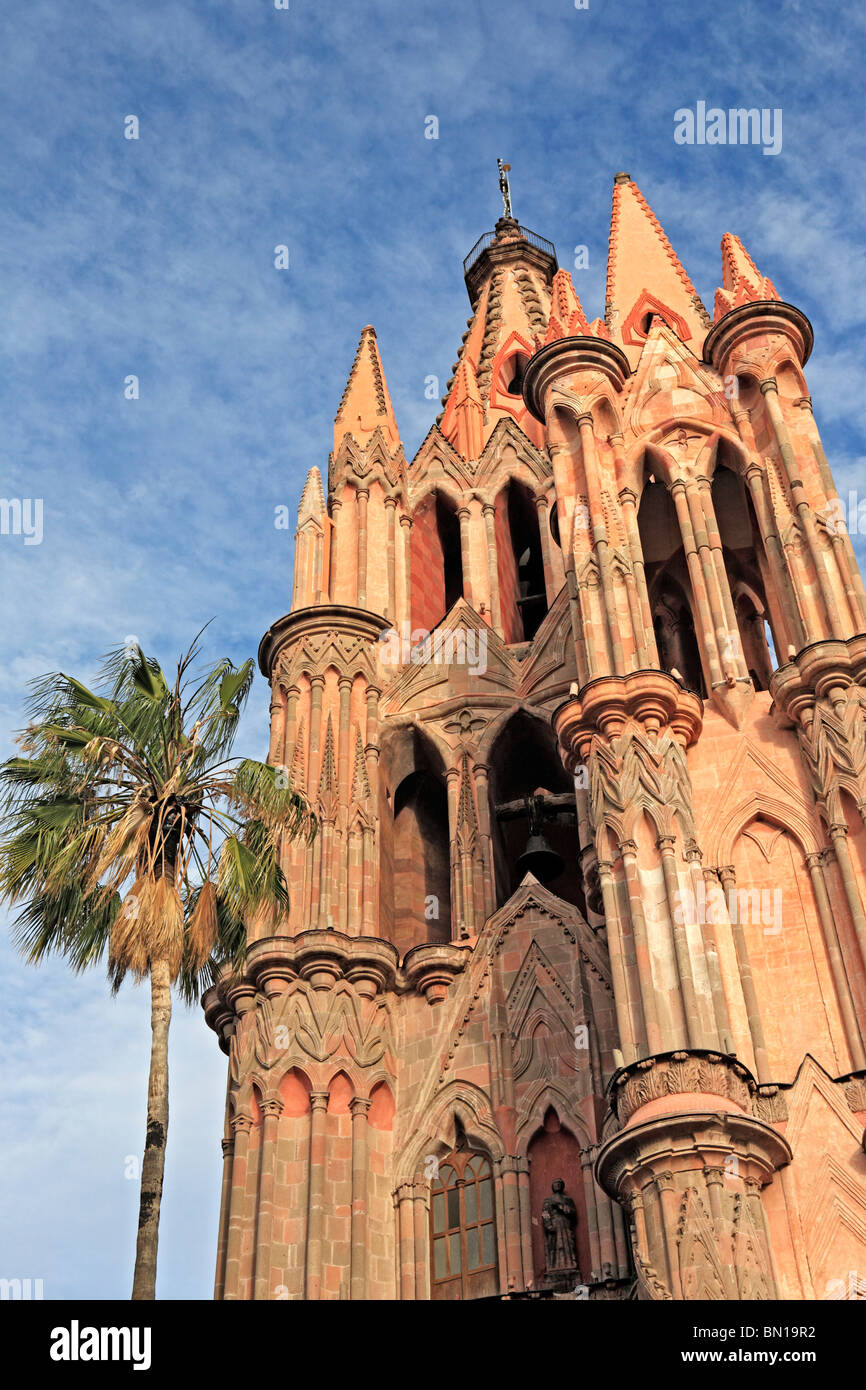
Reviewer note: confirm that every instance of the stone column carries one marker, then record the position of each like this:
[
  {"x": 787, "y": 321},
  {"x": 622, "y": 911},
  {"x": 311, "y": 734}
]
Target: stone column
[
  {"x": 362, "y": 496},
  {"x": 360, "y": 1107},
  {"x": 420, "y": 1200},
  {"x": 815, "y": 865},
  {"x": 679, "y": 941},
  {"x": 489, "y": 513},
  {"x": 228, "y": 1146},
  {"x": 405, "y": 1204},
  {"x": 336, "y": 576},
  {"x": 390, "y": 510},
  {"x": 316, "y": 1192},
  {"x": 750, "y": 996},
  {"x": 541, "y": 504},
  {"x": 846, "y": 558},
  {"x": 511, "y": 1221},
  {"x": 482, "y": 796},
  {"x": 271, "y": 1110},
  {"x": 371, "y": 863},
  {"x": 242, "y": 1127},
  {"x": 717, "y": 566},
  {"x": 724, "y": 629},
  {"x": 839, "y": 837},
  {"x": 655, "y": 1040},
  {"x": 783, "y": 582},
  {"x": 622, "y": 996},
  {"x": 465, "y": 552},
  {"x": 278, "y": 726},
  {"x": 708, "y": 644},
  {"x": 599, "y": 533},
  {"x": 406, "y": 526},
  {"x": 645, "y": 637},
  {"x": 523, "y": 1198},
  {"x": 586, "y": 1166},
  {"x": 700, "y": 879},
  {"x": 769, "y": 390}
]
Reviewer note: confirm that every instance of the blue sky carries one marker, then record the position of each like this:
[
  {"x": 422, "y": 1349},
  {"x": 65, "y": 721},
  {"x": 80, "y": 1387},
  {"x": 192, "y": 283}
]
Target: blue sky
[{"x": 155, "y": 257}]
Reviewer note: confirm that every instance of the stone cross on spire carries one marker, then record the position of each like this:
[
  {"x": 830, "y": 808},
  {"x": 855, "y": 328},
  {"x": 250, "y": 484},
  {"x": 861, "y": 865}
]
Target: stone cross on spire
[{"x": 505, "y": 187}]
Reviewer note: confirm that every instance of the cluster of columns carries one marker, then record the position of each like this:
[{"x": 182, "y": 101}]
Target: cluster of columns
[
  {"x": 246, "y": 1238},
  {"x": 339, "y": 867},
  {"x": 632, "y": 936}
]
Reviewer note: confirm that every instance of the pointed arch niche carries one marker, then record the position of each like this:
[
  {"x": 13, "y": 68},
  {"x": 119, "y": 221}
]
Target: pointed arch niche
[
  {"x": 437, "y": 559},
  {"x": 553, "y": 1153},
  {"x": 415, "y": 861},
  {"x": 781, "y": 924},
  {"x": 523, "y": 759},
  {"x": 520, "y": 563}
]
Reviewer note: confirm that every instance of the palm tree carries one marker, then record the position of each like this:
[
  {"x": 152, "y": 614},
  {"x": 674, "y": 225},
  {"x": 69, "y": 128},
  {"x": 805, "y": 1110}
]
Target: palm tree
[{"x": 132, "y": 832}]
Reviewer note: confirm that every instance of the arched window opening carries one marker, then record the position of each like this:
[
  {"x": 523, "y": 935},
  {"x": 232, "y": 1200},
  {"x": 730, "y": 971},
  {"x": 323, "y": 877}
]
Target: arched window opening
[
  {"x": 754, "y": 628},
  {"x": 676, "y": 640},
  {"x": 524, "y": 761},
  {"x": 448, "y": 531},
  {"x": 422, "y": 869},
  {"x": 463, "y": 1258},
  {"x": 669, "y": 587},
  {"x": 746, "y": 569},
  {"x": 522, "y": 588},
  {"x": 436, "y": 554},
  {"x": 509, "y": 378},
  {"x": 415, "y": 865}
]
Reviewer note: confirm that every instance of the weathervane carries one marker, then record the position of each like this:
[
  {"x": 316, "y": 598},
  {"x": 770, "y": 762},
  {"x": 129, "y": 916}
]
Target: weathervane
[{"x": 504, "y": 186}]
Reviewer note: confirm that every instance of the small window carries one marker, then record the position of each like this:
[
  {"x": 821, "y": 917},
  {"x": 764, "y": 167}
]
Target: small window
[{"x": 511, "y": 376}]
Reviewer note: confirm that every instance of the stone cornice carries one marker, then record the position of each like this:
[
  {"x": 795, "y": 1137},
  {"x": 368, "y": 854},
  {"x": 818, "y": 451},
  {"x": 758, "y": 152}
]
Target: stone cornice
[
  {"x": 605, "y": 704},
  {"x": 322, "y": 617},
  {"x": 565, "y": 356},
  {"x": 758, "y": 316}
]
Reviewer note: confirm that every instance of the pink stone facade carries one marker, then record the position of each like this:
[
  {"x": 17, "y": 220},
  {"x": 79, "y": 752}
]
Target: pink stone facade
[{"x": 611, "y": 601}]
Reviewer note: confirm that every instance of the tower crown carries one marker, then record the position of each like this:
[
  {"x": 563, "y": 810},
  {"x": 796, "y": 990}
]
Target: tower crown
[{"x": 507, "y": 244}]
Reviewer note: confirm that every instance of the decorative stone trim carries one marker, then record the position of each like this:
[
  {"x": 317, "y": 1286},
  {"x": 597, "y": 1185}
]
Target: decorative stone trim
[
  {"x": 430, "y": 969},
  {"x": 769, "y": 1104},
  {"x": 678, "y": 1073}
]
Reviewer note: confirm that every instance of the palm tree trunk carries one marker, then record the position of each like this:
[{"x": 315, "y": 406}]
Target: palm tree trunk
[{"x": 153, "y": 1163}]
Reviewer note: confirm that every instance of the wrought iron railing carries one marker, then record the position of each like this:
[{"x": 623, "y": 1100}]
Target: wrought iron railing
[{"x": 481, "y": 245}]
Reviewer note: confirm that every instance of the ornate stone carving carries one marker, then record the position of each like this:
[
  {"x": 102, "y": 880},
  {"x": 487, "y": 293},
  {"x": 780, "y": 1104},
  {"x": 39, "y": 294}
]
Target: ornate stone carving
[{"x": 680, "y": 1073}]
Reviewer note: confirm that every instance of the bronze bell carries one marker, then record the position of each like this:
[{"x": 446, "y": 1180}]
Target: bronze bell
[{"x": 539, "y": 859}]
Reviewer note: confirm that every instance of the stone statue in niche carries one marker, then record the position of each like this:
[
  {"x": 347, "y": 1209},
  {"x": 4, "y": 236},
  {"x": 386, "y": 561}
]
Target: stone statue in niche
[{"x": 559, "y": 1219}]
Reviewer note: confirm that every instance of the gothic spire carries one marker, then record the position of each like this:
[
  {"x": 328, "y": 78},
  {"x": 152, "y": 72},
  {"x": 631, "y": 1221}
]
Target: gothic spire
[
  {"x": 645, "y": 276},
  {"x": 742, "y": 282},
  {"x": 366, "y": 405}
]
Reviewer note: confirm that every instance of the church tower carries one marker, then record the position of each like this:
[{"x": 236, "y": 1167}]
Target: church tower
[{"x": 570, "y": 999}]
